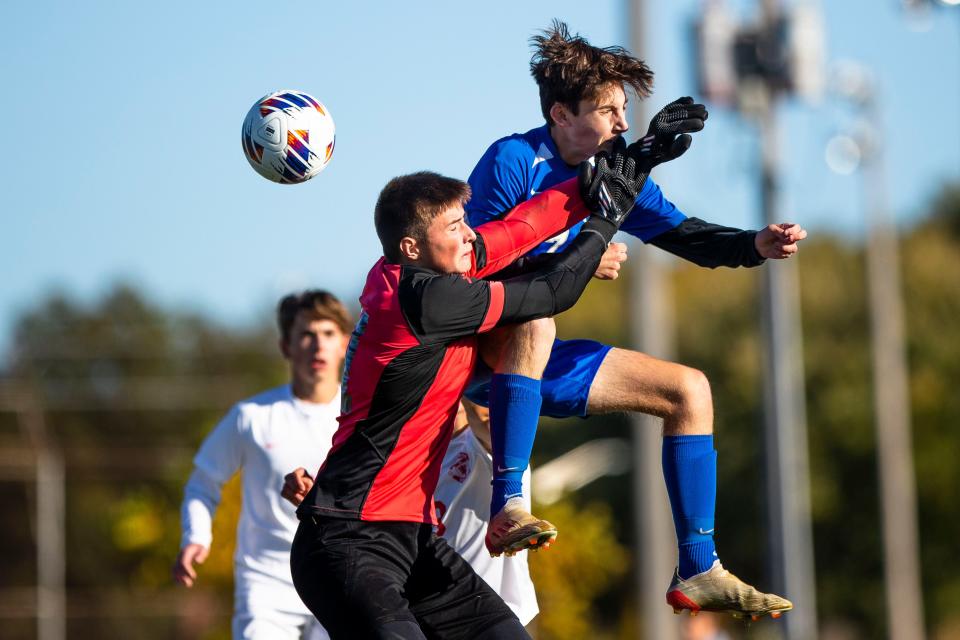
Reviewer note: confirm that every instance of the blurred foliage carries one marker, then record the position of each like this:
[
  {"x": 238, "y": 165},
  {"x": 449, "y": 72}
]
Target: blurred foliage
[
  {"x": 128, "y": 390},
  {"x": 716, "y": 325},
  {"x": 571, "y": 574}
]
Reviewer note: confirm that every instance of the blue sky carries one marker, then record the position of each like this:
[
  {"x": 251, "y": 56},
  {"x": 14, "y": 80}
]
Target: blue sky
[{"x": 125, "y": 118}]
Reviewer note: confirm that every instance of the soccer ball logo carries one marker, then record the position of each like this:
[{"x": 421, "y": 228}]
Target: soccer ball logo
[{"x": 288, "y": 136}]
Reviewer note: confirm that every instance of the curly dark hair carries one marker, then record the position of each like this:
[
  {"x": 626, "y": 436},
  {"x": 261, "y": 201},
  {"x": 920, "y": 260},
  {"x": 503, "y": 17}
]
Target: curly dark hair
[{"x": 569, "y": 69}]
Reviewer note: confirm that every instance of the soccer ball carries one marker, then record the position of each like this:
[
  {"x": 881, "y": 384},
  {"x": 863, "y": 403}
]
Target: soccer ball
[{"x": 288, "y": 136}]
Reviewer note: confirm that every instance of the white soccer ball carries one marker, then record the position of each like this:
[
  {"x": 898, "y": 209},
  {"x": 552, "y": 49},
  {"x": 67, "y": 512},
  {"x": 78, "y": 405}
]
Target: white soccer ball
[{"x": 288, "y": 136}]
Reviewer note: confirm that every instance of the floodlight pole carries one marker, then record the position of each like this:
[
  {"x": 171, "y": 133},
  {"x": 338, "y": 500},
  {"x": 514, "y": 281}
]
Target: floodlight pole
[
  {"x": 752, "y": 66},
  {"x": 655, "y": 545},
  {"x": 790, "y": 545},
  {"x": 51, "y": 547},
  {"x": 790, "y": 535},
  {"x": 51, "y": 556},
  {"x": 891, "y": 400},
  {"x": 656, "y": 542}
]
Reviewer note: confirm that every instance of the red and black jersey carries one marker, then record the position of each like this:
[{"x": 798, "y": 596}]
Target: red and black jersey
[{"x": 414, "y": 348}]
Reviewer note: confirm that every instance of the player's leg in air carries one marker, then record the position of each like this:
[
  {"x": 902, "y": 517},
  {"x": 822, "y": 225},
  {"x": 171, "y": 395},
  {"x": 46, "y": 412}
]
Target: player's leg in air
[
  {"x": 584, "y": 377},
  {"x": 635, "y": 382},
  {"x": 519, "y": 354}
]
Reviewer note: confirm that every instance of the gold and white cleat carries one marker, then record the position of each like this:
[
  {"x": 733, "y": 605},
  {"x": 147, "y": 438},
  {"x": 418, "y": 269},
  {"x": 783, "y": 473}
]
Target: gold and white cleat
[
  {"x": 719, "y": 590},
  {"x": 513, "y": 529}
]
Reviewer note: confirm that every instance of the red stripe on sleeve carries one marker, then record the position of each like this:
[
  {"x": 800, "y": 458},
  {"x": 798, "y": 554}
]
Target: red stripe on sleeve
[
  {"x": 530, "y": 223},
  {"x": 495, "y": 309}
]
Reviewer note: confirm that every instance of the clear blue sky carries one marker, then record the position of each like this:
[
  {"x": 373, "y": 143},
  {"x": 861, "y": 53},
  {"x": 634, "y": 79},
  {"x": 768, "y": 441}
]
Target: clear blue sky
[{"x": 123, "y": 158}]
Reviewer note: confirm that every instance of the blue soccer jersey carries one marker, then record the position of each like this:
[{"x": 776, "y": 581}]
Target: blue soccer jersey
[{"x": 518, "y": 167}]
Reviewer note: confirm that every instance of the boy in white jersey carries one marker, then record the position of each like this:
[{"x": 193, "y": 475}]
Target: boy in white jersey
[{"x": 266, "y": 435}]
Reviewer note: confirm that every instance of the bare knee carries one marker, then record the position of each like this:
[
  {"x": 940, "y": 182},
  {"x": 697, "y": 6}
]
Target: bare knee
[
  {"x": 539, "y": 334},
  {"x": 527, "y": 347},
  {"x": 693, "y": 401}
]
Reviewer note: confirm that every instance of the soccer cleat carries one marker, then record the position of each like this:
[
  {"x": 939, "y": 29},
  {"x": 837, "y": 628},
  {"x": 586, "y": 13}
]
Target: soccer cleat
[
  {"x": 719, "y": 590},
  {"x": 513, "y": 529}
]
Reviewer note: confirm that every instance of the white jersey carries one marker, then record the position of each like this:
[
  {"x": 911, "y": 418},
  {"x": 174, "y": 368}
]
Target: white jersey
[
  {"x": 462, "y": 498},
  {"x": 266, "y": 436}
]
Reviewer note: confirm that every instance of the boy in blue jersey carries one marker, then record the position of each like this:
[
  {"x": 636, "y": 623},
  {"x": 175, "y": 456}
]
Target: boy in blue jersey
[{"x": 583, "y": 100}]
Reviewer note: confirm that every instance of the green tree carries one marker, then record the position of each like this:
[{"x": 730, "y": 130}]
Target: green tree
[
  {"x": 572, "y": 574},
  {"x": 717, "y": 330},
  {"x": 127, "y": 392}
]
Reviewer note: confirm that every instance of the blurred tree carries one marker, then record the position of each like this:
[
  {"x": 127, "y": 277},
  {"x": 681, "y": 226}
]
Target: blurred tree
[
  {"x": 716, "y": 325},
  {"x": 575, "y": 570},
  {"x": 931, "y": 259},
  {"x": 128, "y": 392}
]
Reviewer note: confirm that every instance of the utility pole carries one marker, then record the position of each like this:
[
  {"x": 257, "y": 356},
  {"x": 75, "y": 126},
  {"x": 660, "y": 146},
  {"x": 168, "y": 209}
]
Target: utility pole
[
  {"x": 756, "y": 65},
  {"x": 49, "y": 524},
  {"x": 891, "y": 397},
  {"x": 656, "y": 546},
  {"x": 790, "y": 539},
  {"x": 891, "y": 405},
  {"x": 649, "y": 321}
]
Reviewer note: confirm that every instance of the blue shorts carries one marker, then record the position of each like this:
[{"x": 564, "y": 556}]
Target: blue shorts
[{"x": 566, "y": 382}]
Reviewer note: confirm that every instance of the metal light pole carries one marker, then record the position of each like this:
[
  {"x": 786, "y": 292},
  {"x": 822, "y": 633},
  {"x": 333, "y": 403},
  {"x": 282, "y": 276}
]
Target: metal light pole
[
  {"x": 789, "y": 538},
  {"x": 788, "y": 498},
  {"x": 51, "y": 547},
  {"x": 891, "y": 397},
  {"x": 656, "y": 540},
  {"x": 892, "y": 414},
  {"x": 753, "y": 66}
]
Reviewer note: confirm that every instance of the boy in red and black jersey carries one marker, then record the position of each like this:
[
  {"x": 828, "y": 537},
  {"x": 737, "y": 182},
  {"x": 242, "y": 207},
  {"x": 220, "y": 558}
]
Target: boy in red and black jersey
[{"x": 365, "y": 559}]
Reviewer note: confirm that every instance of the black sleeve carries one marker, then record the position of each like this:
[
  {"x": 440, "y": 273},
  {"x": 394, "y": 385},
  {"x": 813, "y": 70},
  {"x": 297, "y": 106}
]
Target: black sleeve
[
  {"x": 559, "y": 279},
  {"x": 710, "y": 245},
  {"x": 441, "y": 308},
  {"x": 523, "y": 266}
]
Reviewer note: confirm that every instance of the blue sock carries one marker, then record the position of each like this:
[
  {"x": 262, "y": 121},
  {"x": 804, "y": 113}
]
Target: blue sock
[
  {"x": 514, "y": 412},
  {"x": 690, "y": 471}
]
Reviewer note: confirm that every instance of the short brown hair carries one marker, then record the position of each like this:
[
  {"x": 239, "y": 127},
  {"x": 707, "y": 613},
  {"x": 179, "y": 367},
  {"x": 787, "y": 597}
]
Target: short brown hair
[
  {"x": 408, "y": 204},
  {"x": 319, "y": 304},
  {"x": 569, "y": 69}
]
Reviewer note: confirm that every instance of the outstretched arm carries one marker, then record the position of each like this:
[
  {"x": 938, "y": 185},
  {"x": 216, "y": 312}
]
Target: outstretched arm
[
  {"x": 609, "y": 269},
  {"x": 500, "y": 242},
  {"x": 711, "y": 245},
  {"x": 560, "y": 280},
  {"x": 442, "y": 308}
]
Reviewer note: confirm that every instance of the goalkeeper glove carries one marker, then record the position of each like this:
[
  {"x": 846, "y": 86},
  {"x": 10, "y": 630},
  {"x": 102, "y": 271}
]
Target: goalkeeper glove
[
  {"x": 668, "y": 137},
  {"x": 610, "y": 185}
]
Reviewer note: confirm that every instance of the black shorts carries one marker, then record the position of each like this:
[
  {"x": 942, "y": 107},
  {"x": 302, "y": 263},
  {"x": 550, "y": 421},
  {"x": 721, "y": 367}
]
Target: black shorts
[{"x": 393, "y": 580}]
